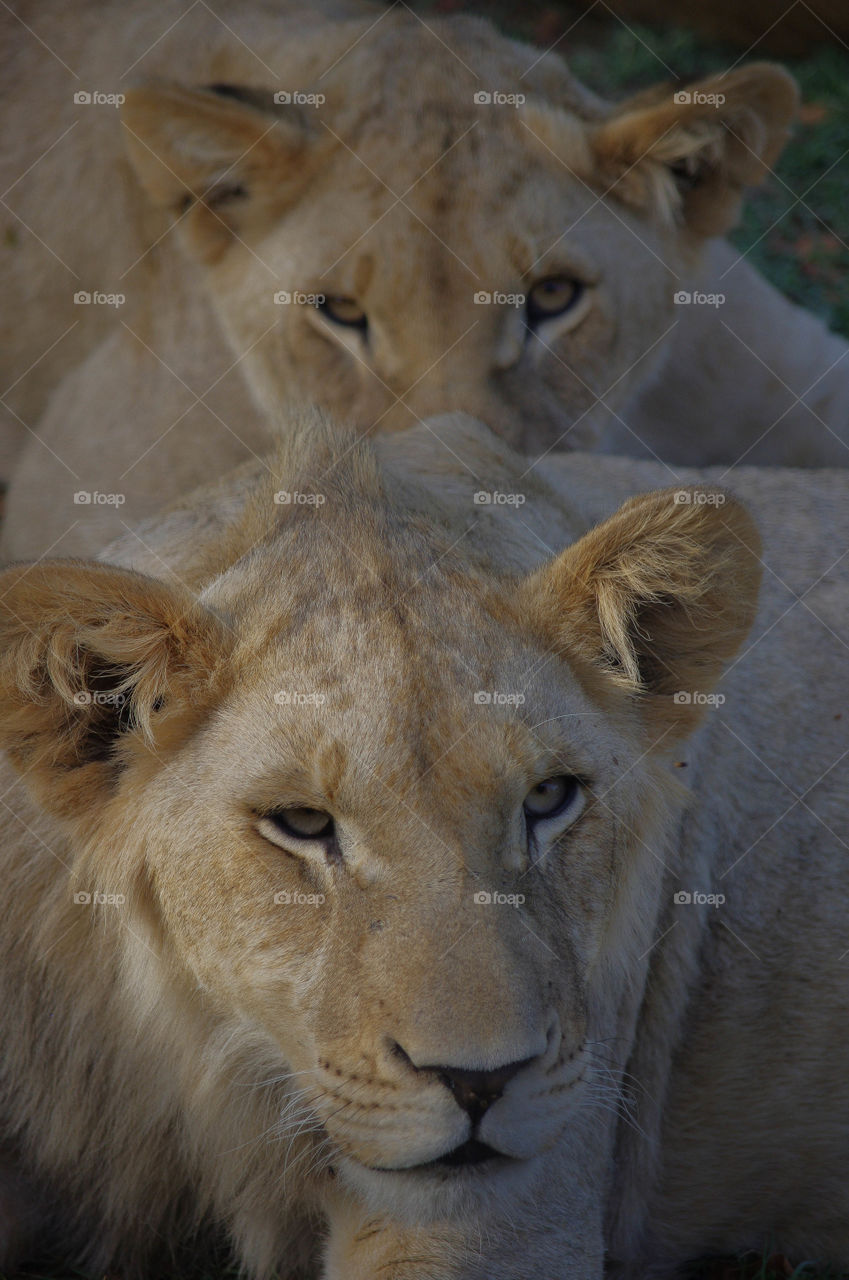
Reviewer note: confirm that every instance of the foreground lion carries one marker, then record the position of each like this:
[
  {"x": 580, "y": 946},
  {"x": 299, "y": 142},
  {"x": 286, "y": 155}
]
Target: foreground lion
[
  {"x": 396, "y": 195},
  {"x": 413, "y": 898}
]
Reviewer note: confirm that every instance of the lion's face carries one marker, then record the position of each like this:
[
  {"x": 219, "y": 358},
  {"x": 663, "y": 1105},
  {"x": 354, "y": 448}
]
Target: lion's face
[
  {"x": 394, "y": 817},
  {"x": 449, "y": 918},
  {"x": 515, "y": 258},
  {"x": 533, "y": 320}
]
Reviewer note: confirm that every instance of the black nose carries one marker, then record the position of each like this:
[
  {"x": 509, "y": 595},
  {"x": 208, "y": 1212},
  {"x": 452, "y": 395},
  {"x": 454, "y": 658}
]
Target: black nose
[{"x": 476, "y": 1091}]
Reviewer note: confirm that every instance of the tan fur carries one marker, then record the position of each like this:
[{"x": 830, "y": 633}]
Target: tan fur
[
  {"x": 194, "y": 1051},
  {"x": 403, "y": 193}
]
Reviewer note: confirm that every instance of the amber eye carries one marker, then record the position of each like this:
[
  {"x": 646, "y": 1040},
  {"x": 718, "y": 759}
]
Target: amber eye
[
  {"x": 343, "y": 311},
  {"x": 551, "y": 297},
  {"x": 297, "y": 824},
  {"x": 551, "y": 797}
]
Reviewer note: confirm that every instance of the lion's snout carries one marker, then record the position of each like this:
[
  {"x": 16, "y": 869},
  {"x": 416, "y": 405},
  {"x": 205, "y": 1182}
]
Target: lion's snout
[{"x": 413, "y": 1113}]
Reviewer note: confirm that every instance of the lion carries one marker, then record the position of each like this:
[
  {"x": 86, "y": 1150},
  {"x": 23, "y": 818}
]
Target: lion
[
  {"x": 416, "y": 868},
  {"x": 390, "y": 219}
]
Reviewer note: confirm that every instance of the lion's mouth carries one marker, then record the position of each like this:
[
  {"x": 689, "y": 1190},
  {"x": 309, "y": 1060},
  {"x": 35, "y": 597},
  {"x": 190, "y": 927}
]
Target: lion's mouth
[{"x": 469, "y": 1154}]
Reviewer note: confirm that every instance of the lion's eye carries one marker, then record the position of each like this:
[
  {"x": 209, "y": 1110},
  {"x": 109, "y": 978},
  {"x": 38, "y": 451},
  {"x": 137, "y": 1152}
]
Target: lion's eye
[
  {"x": 343, "y": 311},
  {"x": 551, "y": 798},
  {"x": 552, "y": 297},
  {"x": 297, "y": 824}
]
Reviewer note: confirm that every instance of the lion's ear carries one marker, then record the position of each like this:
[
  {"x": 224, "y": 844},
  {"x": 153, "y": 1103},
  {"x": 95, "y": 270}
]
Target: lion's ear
[
  {"x": 96, "y": 661},
  {"x": 229, "y": 160},
  {"x": 656, "y": 600},
  {"x": 689, "y": 154}
]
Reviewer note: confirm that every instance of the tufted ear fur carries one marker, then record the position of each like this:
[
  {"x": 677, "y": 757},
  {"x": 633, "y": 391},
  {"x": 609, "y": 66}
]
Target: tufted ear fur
[
  {"x": 656, "y": 600},
  {"x": 695, "y": 150},
  {"x": 229, "y": 159},
  {"x": 94, "y": 660},
  {"x": 682, "y": 155}
]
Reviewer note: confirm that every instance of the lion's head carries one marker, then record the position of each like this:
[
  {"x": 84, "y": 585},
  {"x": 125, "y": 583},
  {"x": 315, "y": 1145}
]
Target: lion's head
[
  {"x": 385, "y": 812},
  {"x": 434, "y": 217}
]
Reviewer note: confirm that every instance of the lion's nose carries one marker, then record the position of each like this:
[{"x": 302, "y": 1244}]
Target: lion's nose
[{"x": 476, "y": 1091}]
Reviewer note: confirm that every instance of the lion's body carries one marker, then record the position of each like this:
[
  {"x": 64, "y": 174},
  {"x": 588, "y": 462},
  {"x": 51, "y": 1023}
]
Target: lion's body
[
  {"x": 154, "y": 1048},
  {"x": 386, "y": 192}
]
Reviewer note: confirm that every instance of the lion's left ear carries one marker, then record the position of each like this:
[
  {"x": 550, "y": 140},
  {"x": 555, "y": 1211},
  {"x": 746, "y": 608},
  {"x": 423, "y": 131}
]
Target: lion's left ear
[
  {"x": 92, "y": 658},
  {"x": 655, "y": 601},
  {"x": 693, "y": 151}
]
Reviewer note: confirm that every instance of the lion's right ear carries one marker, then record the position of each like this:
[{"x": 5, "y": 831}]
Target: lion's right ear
[
  {"x": 691, "y": 153},
  {"x": 97, "y": 663},
  {"x": 684, "y": 157},
  {"x": 228, "y": 159},
  {"x": 654, "y": 602}
]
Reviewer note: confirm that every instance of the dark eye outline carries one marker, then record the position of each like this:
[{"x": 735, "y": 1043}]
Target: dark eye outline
[
  {"x": 536, "y": 315},
  {"x": 577, "y": 785},
  {"x": 278, "y": 819},
  {"x": 325, "y": 309}
]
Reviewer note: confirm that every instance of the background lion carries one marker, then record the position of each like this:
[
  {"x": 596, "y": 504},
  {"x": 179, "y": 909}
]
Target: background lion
[
  {"x": 354, "y": 898},
  {"x": 381, "y": 183}
]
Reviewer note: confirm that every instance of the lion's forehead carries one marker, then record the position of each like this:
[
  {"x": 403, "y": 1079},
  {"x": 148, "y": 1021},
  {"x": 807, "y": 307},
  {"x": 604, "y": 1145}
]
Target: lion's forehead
[
  {"x": 396, "y": 671},
  {"x": 407, "y": 62},
  {"x": 424, "y": 191},
  {"x": 427, "y": 732},
  {"x": 434, "y": 176}
]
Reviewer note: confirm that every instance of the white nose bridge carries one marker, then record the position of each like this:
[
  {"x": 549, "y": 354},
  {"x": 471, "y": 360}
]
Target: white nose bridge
[
  {"x": 425, "y": 354},
  {"x": 495, "y": 1038},
  {"x": 471, "y": 998},
  {"x": 429, "y": 325}
]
